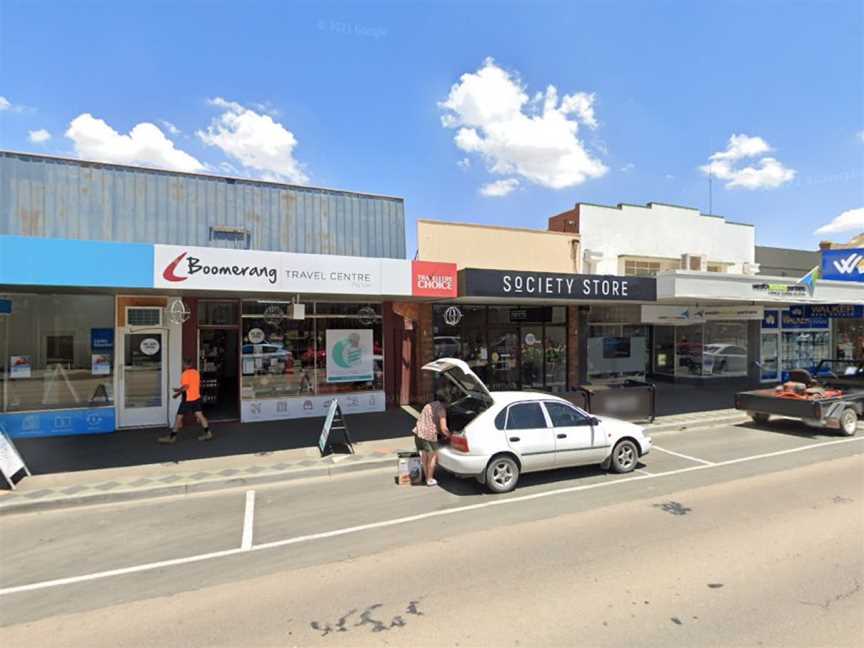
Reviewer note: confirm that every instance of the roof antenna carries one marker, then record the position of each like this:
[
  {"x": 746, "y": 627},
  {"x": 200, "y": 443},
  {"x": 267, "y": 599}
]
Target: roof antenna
[{"x": 710, "y": 194}]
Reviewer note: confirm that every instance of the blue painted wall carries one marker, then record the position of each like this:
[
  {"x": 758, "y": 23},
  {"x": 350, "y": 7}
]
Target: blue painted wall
[{"x": 30, "y": 261}]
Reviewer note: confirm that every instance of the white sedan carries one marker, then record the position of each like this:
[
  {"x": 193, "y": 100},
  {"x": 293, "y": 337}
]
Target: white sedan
[{"x": 499, "y": 435}]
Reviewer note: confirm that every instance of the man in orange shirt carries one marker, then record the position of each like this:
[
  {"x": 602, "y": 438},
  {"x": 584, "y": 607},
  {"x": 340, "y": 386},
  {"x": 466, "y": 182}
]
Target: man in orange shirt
[{"x": 190, "y": 390}]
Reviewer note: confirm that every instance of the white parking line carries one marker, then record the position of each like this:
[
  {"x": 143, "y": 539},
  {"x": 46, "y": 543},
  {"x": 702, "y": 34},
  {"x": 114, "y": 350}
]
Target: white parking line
[
  {"x": 644, "y": 472},
  {"x": 402, "y": 520},
  {"x": 683, "y": 456},
  {"x": 248, "y": 521}
]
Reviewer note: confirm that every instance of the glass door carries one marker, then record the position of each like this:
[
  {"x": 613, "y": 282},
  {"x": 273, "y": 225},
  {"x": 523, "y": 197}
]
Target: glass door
[
  {"x": 532, "y": 357},
  {"x": 503, "y": 368},
  {"x": 144, "y": 380}
]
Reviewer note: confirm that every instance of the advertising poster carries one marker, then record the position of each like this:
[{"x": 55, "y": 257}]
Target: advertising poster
[
  {"x": 20, "y": 366},
  {"x": 100, "y": 364},
  {"x": 349, "y": 355}
]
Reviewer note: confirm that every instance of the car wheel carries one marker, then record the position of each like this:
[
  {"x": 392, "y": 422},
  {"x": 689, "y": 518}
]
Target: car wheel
[
  {"x": 760, "y": 417},
  {"x": 849, "y": 422},
  {"x": 625, "y": 456},
  {"x": 502, "y": 473}
]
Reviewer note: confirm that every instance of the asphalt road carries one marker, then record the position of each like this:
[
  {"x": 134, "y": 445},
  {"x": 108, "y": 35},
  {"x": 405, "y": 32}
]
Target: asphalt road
[{"x": 729, "y": 535}]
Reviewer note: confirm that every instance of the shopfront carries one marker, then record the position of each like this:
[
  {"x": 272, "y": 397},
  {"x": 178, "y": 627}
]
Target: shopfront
[
  {"x": 702, "y": 342},
  {"x": 274, "y": 335},
  {"x": 520, "y": 330}
]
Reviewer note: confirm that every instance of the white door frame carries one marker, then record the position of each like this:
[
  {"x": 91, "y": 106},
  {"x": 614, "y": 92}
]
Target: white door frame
[{"x": 150, "y": 416}]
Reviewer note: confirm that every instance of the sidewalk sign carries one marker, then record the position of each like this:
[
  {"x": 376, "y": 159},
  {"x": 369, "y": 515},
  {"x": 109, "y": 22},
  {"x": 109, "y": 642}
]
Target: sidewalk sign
[
  {"x": 11, "y": 462},
  {"x": 335, "y": 422}
]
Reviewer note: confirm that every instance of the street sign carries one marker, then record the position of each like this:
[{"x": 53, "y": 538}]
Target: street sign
[{"x": 335, "y": 422}]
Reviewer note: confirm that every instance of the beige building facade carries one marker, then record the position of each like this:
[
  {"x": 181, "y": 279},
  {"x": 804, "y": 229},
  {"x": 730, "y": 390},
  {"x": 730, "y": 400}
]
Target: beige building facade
[{"x": 490, "y": 247}]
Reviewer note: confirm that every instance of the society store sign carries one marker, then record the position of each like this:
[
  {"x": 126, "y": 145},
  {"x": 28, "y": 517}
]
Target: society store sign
[
  {"x": 552, "y": 285},
  {"x": 652, "y": 314},
  {"x": 843, "y": 265}
]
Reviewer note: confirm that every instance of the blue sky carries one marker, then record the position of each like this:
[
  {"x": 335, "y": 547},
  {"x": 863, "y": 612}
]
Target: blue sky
[{"x": 352, "y": 96}]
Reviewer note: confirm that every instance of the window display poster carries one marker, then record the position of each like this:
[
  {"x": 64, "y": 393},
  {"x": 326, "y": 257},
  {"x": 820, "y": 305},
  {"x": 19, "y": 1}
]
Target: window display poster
[
  {"x": 100, "y": 364},
  {"x": 349, "y": 355},
  {"x": 102, "y": 339},
  {"x": 20, "y": 366}
]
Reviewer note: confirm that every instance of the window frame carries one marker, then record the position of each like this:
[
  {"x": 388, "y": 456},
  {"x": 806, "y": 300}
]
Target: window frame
[
  {"x": 527, "y": 402},
  {"x": 585, "y": 418}
]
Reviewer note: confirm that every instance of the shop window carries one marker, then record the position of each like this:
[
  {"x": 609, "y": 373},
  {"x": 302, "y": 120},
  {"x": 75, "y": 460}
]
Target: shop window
[
  {"x": 664, "y": 350},
  {"x": 725, "y": 349},
  {"x": 850, "y": 339},
  {"x": 688, "y": 350},
  {"x": 57, "y": 352},
  {"x": 804, "y": 349},
  {"x": 716, "y": 267},
  {"x": 336, "y": 348}
]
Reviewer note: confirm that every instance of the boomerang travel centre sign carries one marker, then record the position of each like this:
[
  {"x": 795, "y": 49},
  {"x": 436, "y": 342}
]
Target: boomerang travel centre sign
[
  {"x": 204, "y": 268},
  {"x": 552, "y": 285}
]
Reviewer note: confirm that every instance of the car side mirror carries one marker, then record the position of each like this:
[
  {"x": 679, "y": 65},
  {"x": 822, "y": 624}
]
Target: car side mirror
[{"x": 593, "y": 421}]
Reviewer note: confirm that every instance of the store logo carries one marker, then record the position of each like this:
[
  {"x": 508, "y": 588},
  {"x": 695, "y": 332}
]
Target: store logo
[
  {"x": 848, "y": 265},
  {"x": 194, "y": 266},
  {"x": 348, "y": 353},
  {"x": 452, "y": 316},
  {"x": 169, "y": 274},
  {"x": 433, "y": 279}
]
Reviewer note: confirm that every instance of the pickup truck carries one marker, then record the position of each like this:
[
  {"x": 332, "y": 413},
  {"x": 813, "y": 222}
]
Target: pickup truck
[{"x": 833, "y": 398}]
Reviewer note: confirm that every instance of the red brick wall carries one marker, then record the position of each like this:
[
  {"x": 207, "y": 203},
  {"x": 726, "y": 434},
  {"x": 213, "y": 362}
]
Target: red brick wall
[{"x": 566, "y": 221}]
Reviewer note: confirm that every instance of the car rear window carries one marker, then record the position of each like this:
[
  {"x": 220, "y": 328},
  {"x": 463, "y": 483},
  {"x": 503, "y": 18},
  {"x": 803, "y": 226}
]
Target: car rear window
[{"x": 525, "y": 416}]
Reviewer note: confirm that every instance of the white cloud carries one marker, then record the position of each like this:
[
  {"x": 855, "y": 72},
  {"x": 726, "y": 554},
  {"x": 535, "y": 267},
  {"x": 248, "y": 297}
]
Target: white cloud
[
  {"x": 464, "y": 163},
  {"x": 499, "y": 188},
  {"x": 849, "y": 220},
  {"x": 627, "y": 168},
  {"x": 8, "y": 106},
  {"x": 765, "y": 173},
  {"x": 171, "y": 128},
  {"x": 861, "y": 135},
  {"x": 669, "y": 176},
  {"x": 255, "y": 141},
  {"x": 38, "y": 136},
  {"x": 536, "y": 139},
  {"x": 145, "y": 144}
]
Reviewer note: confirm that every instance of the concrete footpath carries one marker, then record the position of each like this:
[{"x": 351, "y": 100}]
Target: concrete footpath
[{"x": 53, "y": 490}]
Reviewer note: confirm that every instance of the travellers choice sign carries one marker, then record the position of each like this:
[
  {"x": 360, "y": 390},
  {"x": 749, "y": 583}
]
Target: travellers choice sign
[
  {"x": 652, "y": 314},
  {"x": 189, "y": 267},
  {"x": 843, "y": 265},
  {"x": 553, "y": 285}
]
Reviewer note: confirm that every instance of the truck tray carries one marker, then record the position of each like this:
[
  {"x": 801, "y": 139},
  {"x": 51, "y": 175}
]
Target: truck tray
[{"x": 764, "y": 400}]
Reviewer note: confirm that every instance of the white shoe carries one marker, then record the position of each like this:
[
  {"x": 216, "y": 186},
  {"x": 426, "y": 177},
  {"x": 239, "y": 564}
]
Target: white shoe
[{"x": 431, "y": 482}]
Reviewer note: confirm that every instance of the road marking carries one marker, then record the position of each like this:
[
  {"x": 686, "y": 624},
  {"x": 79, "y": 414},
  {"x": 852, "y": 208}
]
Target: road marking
[
  {"x": 403, "y": 520},
  {"x": 644, "y": 472},
  {"x": 410, "y": 410},
  {"x": 248, "y": 520},
  {"x": 683, "y": 456}
]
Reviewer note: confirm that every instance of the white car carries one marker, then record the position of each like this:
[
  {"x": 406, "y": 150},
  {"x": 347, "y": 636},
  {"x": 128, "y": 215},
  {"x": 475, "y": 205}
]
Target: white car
[{"x": 499, "y": 435}]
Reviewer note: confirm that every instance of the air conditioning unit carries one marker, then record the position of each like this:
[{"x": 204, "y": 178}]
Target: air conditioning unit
[
  {"x": 144, "y": 316},
  {"x": 694, "y": 262}
]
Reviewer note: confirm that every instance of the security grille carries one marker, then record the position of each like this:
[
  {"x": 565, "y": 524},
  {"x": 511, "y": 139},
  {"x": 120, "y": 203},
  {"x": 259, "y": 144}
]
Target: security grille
[{"x": 141, "y": 316}]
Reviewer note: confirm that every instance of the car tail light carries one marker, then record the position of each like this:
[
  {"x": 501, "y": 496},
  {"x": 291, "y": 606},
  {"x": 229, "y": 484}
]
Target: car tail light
[{"x": 459, "y": 442}]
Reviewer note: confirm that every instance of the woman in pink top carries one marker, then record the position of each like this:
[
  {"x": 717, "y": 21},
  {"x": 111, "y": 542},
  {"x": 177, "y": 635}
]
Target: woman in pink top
[{"x": 432, "y": 420}]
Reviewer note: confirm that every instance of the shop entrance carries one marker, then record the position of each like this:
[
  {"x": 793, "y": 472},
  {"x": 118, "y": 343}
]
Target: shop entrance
[
  {"x": 218, "y": 362},
  {"x": 144, "y": 378}
]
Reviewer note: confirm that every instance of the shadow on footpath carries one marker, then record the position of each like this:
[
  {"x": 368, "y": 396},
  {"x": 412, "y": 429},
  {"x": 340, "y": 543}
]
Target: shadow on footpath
[{"x": 138, "y": 447}]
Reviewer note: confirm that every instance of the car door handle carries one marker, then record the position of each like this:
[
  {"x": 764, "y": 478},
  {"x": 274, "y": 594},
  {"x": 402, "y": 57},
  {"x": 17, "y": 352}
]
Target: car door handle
[
  {"x": 562, "y": 436},
  {"x": 515, "y": 439}
]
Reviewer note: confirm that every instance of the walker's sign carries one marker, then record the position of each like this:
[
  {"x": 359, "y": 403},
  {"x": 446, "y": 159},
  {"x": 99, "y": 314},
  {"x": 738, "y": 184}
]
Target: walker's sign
[
  {"x": 843, "y": 265},
  {"x": 201, "y": 268},
  {"x": 553, "y": 285}
]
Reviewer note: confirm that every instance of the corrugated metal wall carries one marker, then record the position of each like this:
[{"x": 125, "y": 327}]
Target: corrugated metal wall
[{"x": 43, "y": 196}]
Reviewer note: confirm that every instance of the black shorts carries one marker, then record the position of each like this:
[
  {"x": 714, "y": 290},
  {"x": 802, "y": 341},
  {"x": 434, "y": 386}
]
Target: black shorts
[{"x": 190, "y": 407}]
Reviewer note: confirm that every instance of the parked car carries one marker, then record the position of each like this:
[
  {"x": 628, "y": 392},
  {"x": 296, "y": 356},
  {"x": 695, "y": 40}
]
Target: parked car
[
  {"x": 724, "y": 358},
  {"x": 497, "y": 436}
]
